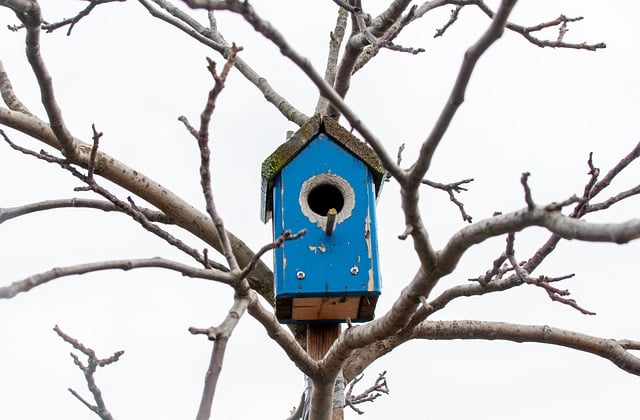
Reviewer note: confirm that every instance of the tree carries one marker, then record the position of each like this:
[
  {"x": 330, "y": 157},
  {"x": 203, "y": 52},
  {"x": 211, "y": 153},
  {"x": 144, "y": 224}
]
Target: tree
[{"x": 132, "y": 79}]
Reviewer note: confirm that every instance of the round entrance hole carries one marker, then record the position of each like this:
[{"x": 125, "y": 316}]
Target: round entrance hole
[
  {"x": 324, "y": 197},
  {"x": 323, "y": 192}
]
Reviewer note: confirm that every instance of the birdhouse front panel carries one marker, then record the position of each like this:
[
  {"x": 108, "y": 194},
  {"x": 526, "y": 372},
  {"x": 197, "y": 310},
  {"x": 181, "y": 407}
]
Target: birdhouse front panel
[{"x": 331, "y": 272}]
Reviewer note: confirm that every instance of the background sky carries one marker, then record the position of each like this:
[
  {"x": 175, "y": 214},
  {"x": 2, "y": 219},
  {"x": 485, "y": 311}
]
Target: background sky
[{"x": 526, "y": 109}]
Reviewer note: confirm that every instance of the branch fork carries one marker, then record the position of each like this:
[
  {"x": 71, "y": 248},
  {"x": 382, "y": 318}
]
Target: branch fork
[{"x": 89, "y": 370}]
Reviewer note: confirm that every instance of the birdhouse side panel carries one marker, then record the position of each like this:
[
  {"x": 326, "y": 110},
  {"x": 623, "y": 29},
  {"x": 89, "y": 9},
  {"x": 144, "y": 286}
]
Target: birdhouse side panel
[
  {"x": 342, "y": 263},
  {"x": 279, "y": 261},
  {"x": 371, "y": 235}
]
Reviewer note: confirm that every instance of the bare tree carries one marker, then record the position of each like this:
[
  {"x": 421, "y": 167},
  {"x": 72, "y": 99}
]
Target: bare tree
[{"x": 358, "y": 39}]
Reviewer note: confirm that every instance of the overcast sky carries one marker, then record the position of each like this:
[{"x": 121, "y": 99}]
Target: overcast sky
[{"x": 526, "y": 109}]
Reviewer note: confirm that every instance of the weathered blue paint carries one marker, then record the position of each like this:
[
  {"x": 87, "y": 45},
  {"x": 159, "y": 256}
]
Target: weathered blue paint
[
  {"x": 324, "y": 277},
  {"x": 344, "y": 263}
]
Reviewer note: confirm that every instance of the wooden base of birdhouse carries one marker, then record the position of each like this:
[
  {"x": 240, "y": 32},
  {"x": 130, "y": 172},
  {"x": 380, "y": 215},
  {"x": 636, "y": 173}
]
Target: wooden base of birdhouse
[{"x": 326, "y": 309}]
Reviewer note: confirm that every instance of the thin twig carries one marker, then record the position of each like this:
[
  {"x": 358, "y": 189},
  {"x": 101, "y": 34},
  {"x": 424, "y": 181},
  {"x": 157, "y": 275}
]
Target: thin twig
[
  {"x": 286, "y": 236},
  {"x": 218, "y": 273},
  {"x": 612, "y": 350},
  {"x": 94, "y": 151},
  {"x": 389, "y": 35},
  {"x": 89, "y": 370},
  {"x": 202, "y": 135},
  {"x": 387, "y": 177},
  {"x": 451, "y": 189},
  {"x": 554, "y": 293},
  {"x": 335, "y": 42},
  {"x": 613, "y": 200},
  {"x": 495, "y": 272},
  {"x": 382, "y": 43},
  {"x": 31, "y": 17},
  {"x": 452, "y": 19},
  {"x": 561, "y": 23},
  {"x": 220, "y": 336},
  {"x": 71, "y": 22},
  {"x": 527, "y": 32},
  {"x": 527, "y": 191},
  {"x": 9, "y": 213},
  {"x": 370, "y": 394}
]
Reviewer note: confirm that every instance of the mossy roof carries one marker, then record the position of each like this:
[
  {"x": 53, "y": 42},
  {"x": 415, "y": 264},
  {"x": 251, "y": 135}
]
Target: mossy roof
[{"x": 317, "y": 124}]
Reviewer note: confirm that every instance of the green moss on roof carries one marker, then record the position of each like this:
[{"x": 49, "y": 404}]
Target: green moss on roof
[
  {"x": 289, "y": 149},
  {"x": 359, "y": 148},
  {"x": 273, "y": 164}
]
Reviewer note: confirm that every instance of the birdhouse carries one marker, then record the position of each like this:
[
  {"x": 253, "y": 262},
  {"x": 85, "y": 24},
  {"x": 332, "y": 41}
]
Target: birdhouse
[{"x": 324, "y": 180}]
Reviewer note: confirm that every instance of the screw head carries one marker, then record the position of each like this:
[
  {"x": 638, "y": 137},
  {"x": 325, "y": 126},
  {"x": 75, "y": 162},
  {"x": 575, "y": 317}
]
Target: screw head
[
  {"x": 300, "y": 274},
  {"x": 354, "y": 270}
]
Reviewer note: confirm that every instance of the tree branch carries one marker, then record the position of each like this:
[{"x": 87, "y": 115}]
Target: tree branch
[
  {"x": 368, "y": 395},
  {"x": 283, "y": 338},
  {"x": 130, "y": 208},
  {"x": 220, "y": 336},
  {"x": 336, "y": 38},
  {"x": 452, "y": 19},
  {"x": 456, "y": 97},
  {"x": 212, "y": 38},
  {"x": 451, "y": 188},
  {"x": 613, "y": 200},
  {"x": 202, "y": 136},
  {"x": 559, "y": 224},
  {"x": 612, "y": 350},
  {"x": 381, "y": 43},
  {"x": 410, "y": 183},
  {"x": 8, "y": 95},
  {"x": 492, "y": 281},
  {"x": 561, "y": 23},
  {"x": 554, "y": 293},
  {"x": 269, "y": 32},
  {"x": 286, "y": 236},
  {"x": 9, "y": 213},
  {"x": 358, "y": 40},
  {"x": 526, "y": 31},
  {"x": 398, "y": 317},
  {"x": 174, "y": 207},
  {"x": 31, "y": 17},
  {"x": 71, "y": 22},
  {"x": 39, "y": 279},
  {"x": 92, "y": 364}
]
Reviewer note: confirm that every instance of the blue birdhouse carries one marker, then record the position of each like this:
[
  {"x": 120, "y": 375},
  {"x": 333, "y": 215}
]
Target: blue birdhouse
[{"x": 326, "y": 181}]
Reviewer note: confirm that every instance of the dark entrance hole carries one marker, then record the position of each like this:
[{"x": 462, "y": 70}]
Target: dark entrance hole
[{"x": 324, "y": 197}]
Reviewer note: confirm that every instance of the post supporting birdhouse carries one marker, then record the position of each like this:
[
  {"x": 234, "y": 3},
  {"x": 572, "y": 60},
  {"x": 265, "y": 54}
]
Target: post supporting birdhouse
[{"x": 320, "y": 337}]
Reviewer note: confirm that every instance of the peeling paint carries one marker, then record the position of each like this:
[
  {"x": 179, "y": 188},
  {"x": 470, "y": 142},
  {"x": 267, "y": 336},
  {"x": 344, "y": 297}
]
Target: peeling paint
[
  {"x": 316, "y": 248},
  {"x": 371, "y": 283},
  {"x": 367, "y": 233}
]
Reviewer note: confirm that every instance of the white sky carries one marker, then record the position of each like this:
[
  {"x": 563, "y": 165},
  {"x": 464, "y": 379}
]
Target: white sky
[{"x": 527, "y": 109}]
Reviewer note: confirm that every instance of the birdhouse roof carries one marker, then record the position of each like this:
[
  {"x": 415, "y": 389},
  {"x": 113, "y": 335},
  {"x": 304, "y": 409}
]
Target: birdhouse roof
[{"x": 316, "y": 125}]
